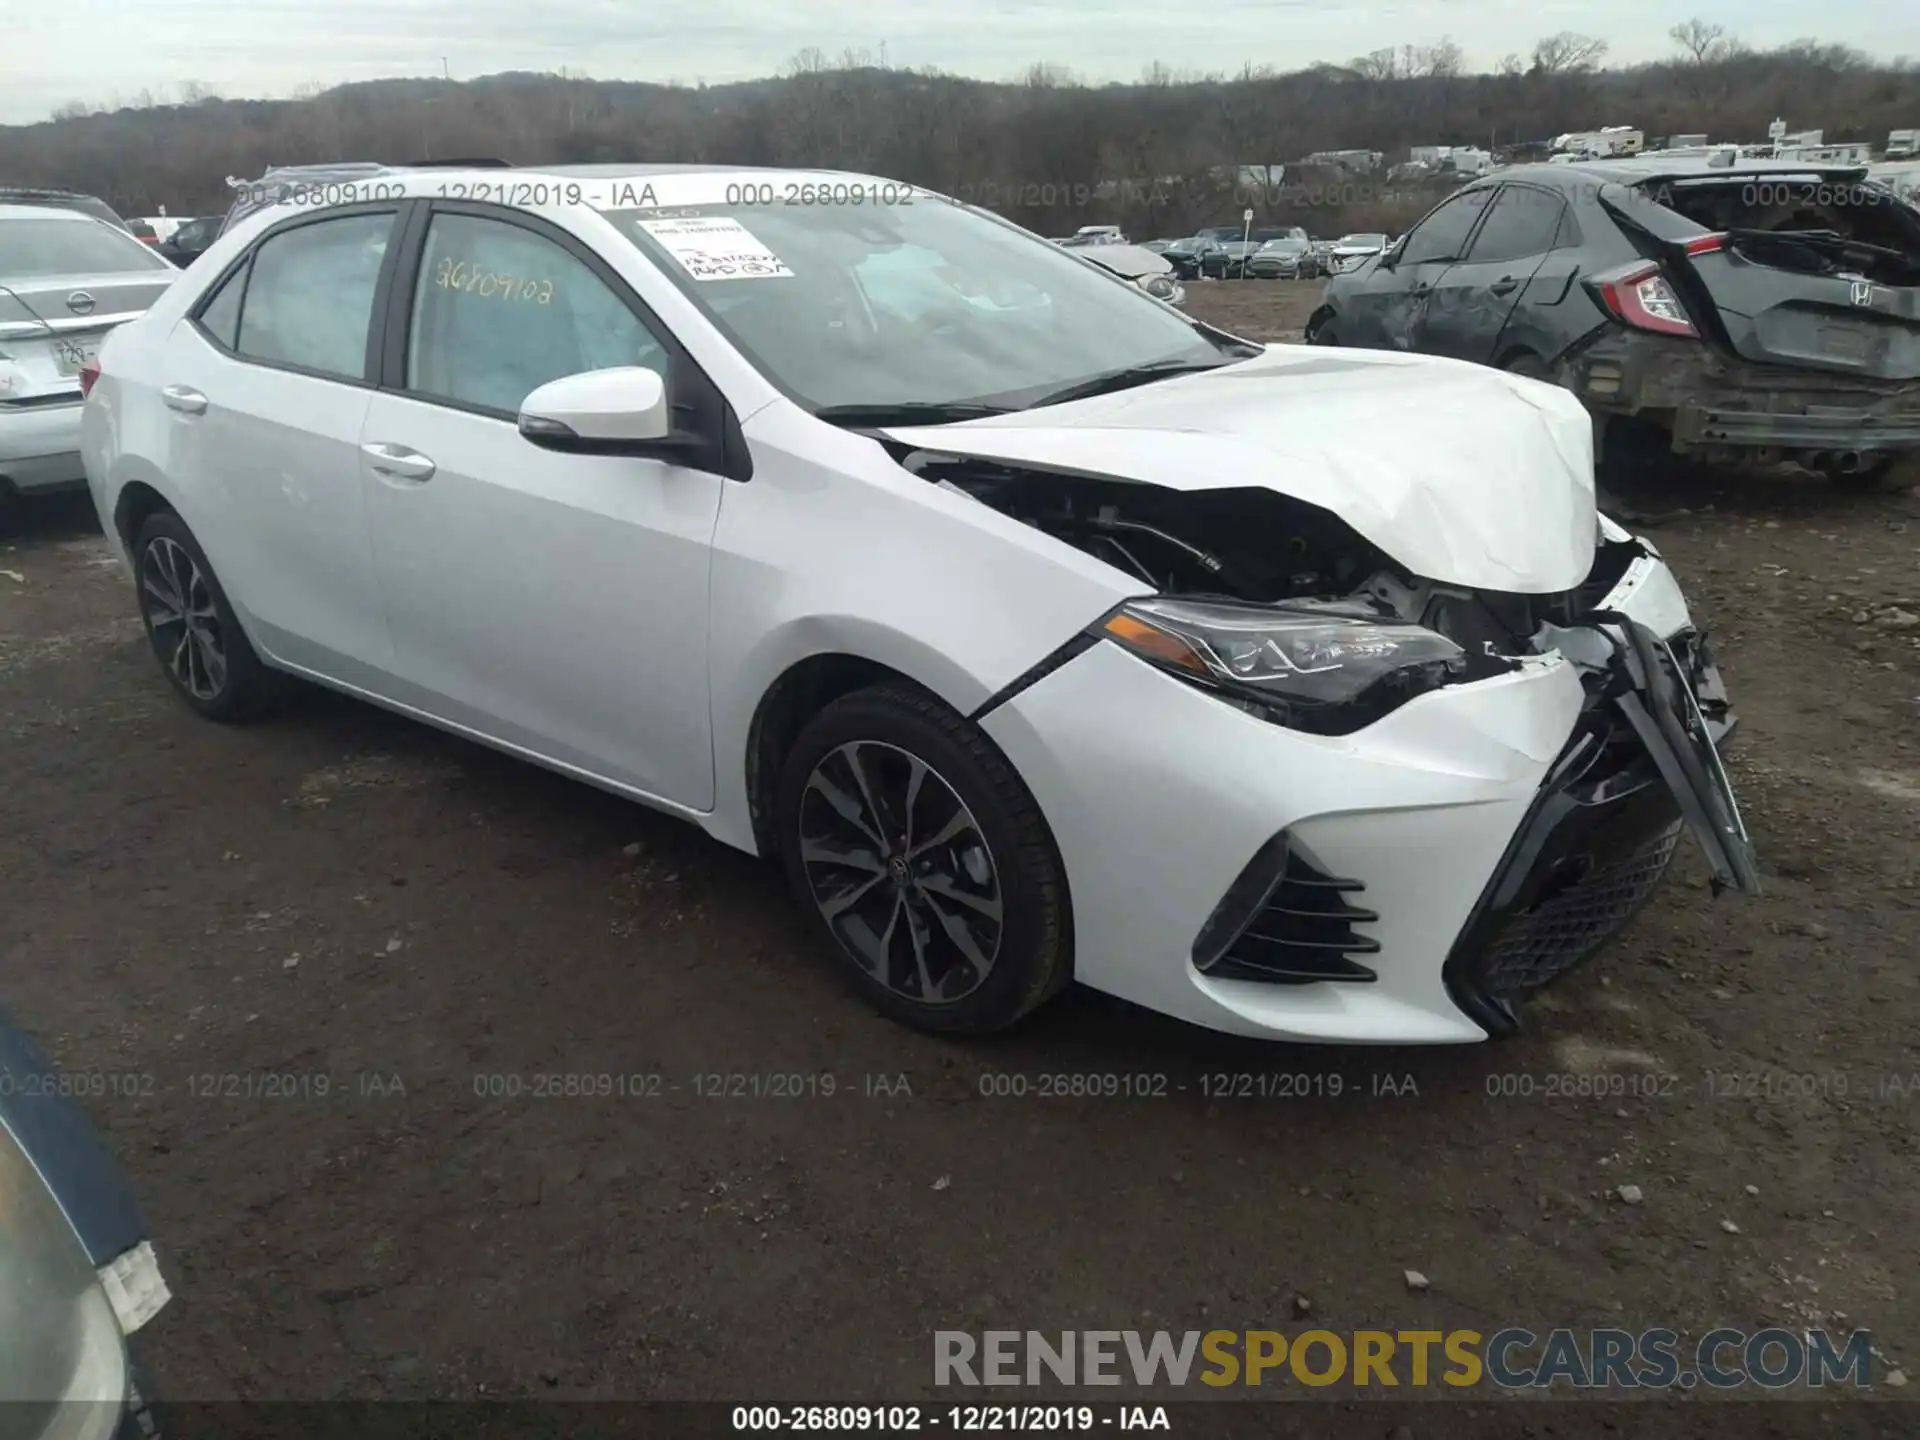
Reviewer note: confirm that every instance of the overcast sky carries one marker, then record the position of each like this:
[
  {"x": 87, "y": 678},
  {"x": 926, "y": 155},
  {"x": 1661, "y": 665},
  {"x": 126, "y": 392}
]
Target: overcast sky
[{"x": 96, "y": 50}]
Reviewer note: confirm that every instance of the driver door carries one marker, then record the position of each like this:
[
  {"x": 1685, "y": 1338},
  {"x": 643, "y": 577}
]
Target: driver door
[
  {"x": 1471, "y": 302},
  {"x": 556, "y": 603},
  {"x": 1393, "y": 306}
]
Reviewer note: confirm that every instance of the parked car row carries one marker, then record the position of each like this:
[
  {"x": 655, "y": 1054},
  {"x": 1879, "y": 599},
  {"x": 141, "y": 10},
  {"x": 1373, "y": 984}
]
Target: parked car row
[{"x": 1268, "y": 253}]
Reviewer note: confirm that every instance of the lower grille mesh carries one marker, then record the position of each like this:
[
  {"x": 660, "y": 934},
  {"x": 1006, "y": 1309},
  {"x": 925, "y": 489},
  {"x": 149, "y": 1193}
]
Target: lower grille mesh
[{"x": 1567, "y": 927}]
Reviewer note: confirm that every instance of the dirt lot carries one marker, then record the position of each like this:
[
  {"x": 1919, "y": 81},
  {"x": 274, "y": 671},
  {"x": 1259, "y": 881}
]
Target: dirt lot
[{"x": 343, "y": 898}]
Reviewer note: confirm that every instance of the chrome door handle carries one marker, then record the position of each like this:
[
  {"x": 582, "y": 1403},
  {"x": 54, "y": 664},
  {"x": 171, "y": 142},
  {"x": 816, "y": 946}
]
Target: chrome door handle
[
  {"x": 397, "y": 461},
  {"x": 185, "y": 399}
]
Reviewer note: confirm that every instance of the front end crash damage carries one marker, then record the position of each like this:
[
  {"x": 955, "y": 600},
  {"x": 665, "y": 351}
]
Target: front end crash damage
[
  {"x": 1720, "y": 408},
  {"x": 1640, "y": 767}
]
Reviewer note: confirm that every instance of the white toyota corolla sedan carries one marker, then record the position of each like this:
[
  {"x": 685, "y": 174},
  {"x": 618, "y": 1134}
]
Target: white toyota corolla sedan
[{"x": 1042, "y": 632}]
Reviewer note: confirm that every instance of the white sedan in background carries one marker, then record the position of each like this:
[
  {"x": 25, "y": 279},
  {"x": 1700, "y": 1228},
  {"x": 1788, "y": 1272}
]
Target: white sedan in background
[{"x": 1041, "y": 632}]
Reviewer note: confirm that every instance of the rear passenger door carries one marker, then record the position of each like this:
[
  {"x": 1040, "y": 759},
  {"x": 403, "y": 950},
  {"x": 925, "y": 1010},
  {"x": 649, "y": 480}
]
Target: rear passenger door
[
  {"x": 1468, "y": 310},
  {"x": 265, "y": 386}
]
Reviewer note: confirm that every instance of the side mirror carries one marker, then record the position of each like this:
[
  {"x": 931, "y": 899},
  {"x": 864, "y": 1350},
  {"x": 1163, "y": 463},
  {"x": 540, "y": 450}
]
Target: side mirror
[{"x": 606, "y": 412}]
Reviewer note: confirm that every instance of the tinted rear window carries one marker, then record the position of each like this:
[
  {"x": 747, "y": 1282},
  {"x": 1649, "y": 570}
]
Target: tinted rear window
[{"x": 69, "y": 245}]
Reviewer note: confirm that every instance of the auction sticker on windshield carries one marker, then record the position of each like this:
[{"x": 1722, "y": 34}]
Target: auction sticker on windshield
[{"x": 717, "y": 248}]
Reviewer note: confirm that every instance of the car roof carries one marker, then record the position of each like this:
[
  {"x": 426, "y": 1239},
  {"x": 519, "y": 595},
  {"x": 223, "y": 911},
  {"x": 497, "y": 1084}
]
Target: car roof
[
  {"x": 250, "y": 197},
  {"x": 1640, "y": 169}
]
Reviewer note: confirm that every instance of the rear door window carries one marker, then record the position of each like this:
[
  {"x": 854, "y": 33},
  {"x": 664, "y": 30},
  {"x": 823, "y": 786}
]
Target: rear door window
[
  {"x": 1522, "y": 222},
  {"x": 309, "y": 303}
]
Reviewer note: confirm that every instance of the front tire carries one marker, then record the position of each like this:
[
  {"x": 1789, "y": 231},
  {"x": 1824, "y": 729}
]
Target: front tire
[
  {"x": 201, "y": 648},
  {"x": 924, "y": 861}
]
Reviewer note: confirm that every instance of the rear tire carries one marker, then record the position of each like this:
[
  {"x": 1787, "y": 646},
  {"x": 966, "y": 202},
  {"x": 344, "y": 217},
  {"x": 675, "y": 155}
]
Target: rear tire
[
  {"x": 195, "y": 635},
  {"x": 924, "y": 862}
]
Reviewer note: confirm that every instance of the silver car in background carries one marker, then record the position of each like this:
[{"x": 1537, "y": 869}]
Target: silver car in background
[{"x": 66, "y": 279}]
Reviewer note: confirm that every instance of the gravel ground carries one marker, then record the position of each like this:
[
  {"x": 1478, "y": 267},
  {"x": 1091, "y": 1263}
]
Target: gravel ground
[{"x": 338, "y": 896}]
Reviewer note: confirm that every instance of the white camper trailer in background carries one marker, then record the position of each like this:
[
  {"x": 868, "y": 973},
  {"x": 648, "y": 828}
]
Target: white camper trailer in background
[{"x": 1595, "y": 144}]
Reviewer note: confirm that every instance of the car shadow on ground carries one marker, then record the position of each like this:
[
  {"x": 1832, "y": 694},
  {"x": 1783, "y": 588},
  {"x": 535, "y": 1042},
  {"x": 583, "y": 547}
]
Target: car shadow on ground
[
  {"x": 35, "y": 520},
  {"x": 1673, "y": 490},
  {"x": 562, "y": 822}
]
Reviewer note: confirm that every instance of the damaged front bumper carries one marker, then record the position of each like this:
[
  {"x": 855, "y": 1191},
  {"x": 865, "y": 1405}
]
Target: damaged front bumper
[
  {"x": 1403, "y": 884},
  {"x": 1641, "y": 769},
  {"x": 1711, "y": 402}
]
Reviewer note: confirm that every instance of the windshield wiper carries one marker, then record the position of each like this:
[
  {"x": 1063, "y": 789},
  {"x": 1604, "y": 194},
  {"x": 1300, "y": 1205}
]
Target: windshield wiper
[
  {"x": 1128, "y": 378},
  {"x": 908, "y": 412}
]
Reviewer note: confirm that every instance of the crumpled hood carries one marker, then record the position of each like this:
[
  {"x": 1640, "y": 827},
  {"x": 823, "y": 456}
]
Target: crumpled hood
[{"x": 1465, "y": 475}]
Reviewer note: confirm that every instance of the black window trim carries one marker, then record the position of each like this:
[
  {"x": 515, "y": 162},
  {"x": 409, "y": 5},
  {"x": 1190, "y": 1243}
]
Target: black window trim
[
  {"x": 376, "y": 321},
  {"x": 1553, "y": 236},
  {"x": 1473, "y": 231},
  {"x": 690, "y": 389}
]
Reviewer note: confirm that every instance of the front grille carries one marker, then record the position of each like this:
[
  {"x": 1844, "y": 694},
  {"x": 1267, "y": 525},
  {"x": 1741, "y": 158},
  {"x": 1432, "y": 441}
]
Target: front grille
[
  {"x": 1305, "y": 932},
  {"x": 1596, "y": 841},
  {"x": 1569, "y": 925}
]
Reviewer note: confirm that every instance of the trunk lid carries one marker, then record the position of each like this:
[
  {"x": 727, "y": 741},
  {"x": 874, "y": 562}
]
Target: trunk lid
[
  {"x": 1817, "y": 270},
  {"x": 52, "y": 325},
  {"x": 1464, "y": 474}
]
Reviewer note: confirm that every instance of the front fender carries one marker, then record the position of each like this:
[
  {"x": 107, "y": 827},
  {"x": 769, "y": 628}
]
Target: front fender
[{"x": 833, "y": 548}]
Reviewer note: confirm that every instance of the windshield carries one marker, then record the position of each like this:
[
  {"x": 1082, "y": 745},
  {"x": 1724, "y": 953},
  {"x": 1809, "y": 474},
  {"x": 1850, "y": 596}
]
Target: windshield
[
  {"x": 1290, "y": 247},
  {"x": 69, "y": 245},
  {"x": 921, "y": 303},
  {"x": 1378, "y": 242}
]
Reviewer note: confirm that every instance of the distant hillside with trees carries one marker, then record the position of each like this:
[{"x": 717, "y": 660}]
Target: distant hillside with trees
[{"x": 1048, "y": 150}]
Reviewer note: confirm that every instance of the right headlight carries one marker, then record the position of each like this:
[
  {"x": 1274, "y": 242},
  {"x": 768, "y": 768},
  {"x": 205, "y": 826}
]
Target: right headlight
[
  {"x": 63, "y": 1361},
  {"x": 1323, "y": 668}
]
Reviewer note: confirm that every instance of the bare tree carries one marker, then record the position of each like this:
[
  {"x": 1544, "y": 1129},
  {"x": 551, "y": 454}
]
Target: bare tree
[
  {"x": 1046, "y": 75},
  {"x": 71, "y": 110},
  {"x": 1444, "y": 60},
  {"x": 1703, "y": 43},
  {"x": 1567, "y": 53},
  {"x": 1377, "y": 65},
  {"x": 1162, "y": 155}
]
